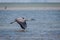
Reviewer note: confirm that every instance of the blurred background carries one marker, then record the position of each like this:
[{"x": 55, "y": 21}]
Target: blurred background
[{"x": 45, "y": 27}]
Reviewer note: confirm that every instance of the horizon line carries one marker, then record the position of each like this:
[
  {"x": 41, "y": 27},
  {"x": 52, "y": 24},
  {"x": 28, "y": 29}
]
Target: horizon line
[{"x": 30, "y": 2}]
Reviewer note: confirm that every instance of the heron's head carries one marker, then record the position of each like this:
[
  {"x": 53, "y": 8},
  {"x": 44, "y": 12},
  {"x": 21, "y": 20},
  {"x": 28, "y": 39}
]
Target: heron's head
[{"x": 23, "y": 17}]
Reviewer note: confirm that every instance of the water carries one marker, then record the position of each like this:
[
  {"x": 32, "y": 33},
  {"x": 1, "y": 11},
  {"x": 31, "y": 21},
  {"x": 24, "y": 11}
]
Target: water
[{"x": 45, "y": 27}]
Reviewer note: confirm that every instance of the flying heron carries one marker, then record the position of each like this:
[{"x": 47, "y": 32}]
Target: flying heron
[{"x": 22, "y": 22}]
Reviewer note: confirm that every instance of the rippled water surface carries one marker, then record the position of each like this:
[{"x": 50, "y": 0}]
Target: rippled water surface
[{"x": 45, "y": 27}]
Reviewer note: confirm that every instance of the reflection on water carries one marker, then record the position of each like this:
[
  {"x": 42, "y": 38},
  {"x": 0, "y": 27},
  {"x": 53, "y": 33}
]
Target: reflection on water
[{"x": 45, "y": 27}]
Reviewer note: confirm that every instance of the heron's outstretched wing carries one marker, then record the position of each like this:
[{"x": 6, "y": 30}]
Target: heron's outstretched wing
[
  {"x": 12, "y": 22},
  {"x": 30, "y": 19}
]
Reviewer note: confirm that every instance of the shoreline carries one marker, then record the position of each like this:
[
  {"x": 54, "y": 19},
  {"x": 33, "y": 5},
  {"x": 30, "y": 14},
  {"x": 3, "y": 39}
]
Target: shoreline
[{"x": 30, "y": 8}]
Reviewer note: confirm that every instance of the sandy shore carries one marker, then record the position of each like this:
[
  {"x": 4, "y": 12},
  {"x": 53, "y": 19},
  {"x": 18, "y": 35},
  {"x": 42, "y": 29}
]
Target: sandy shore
[{"x": 30, "y": 8}]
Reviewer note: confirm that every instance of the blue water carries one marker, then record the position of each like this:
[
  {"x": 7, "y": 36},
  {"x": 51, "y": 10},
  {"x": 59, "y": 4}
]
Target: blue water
[{"x": 45, "y": 27}]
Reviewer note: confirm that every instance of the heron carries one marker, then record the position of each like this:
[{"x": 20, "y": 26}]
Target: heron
[{"x": 22, "y": 22}]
